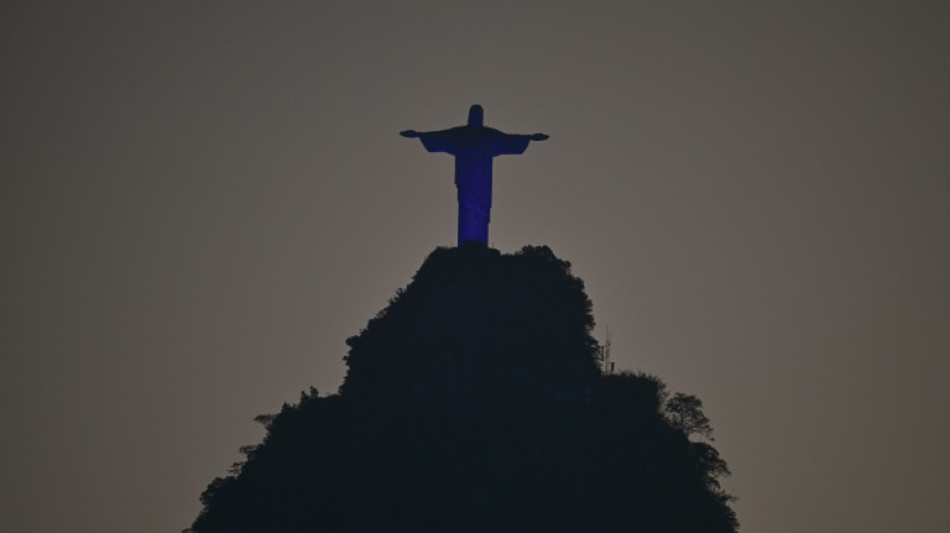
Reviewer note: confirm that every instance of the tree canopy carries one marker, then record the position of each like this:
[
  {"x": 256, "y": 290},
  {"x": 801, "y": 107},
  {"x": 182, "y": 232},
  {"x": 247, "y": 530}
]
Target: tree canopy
[{"x": 475, "y": 401}]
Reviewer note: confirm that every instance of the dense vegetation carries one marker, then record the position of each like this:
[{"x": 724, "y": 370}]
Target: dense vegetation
[{"x": 475, "y": 402}]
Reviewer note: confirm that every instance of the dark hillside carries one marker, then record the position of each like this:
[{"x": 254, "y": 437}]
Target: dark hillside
[{"x": 475, "y": 402}]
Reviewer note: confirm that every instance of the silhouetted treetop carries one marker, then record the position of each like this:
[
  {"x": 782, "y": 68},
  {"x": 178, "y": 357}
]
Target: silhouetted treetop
[{"x": 472, "y": 318}]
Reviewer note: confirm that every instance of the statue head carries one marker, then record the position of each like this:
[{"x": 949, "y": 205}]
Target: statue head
[{"x": 476, "y": 116}]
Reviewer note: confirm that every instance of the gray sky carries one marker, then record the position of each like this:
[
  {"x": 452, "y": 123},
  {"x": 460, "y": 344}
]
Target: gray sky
[{"x": 200, "y": 201}]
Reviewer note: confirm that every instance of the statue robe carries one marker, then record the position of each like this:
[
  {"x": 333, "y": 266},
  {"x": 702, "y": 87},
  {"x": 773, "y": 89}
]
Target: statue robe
[{"x": 473, "y": 148}]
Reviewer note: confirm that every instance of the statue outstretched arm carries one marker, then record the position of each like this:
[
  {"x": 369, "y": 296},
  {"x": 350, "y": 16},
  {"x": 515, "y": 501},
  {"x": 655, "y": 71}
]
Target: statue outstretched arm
[
  {"x": 511, "y": 144},
  {"x": 434, "y": 141}
]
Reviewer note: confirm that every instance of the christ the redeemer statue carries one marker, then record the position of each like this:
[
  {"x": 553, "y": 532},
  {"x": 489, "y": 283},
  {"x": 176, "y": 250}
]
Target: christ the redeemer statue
[{"x": 474, "y": 146}]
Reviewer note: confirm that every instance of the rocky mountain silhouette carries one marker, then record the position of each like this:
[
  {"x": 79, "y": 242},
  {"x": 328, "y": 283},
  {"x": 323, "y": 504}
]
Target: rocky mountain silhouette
[{"x": 476, "y": 401}]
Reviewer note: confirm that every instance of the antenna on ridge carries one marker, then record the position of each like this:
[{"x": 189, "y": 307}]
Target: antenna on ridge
[{"x": 607, "y": 366}]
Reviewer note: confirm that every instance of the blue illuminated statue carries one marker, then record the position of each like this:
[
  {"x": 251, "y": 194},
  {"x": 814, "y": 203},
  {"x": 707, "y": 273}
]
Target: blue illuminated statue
[{"x": 474, "y": 146}]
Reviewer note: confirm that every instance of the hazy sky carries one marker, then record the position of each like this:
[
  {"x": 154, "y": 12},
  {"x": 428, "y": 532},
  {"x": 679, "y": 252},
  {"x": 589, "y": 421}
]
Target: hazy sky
[{"x": 200, "y": 201}]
